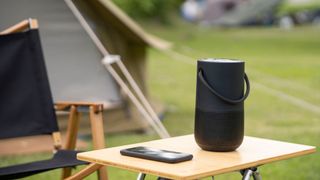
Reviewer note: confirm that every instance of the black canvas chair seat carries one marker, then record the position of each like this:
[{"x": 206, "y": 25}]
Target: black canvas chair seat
[{"x": 61, "y": 159}]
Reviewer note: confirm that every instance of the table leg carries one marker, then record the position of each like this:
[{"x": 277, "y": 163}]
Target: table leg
[
  {"x": 162, "y": 178},
  {"x": 247, "y": 173},
  {"x": 256, "y": 175},
  {"x": 141, "y": 176}
]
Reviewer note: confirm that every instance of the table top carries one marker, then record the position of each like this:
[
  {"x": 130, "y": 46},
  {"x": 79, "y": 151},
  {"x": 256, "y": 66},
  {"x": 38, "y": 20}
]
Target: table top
[{"x": 253, "y": 152}]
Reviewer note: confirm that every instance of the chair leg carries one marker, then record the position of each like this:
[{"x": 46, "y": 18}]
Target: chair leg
[
  {"x": 66, "y": 172},
  {"x": 72, "y": 131},
  {"x": 71, "y": 136},
  {"x": 98, "y": 137},
  {"x": 85, "y": 172}
]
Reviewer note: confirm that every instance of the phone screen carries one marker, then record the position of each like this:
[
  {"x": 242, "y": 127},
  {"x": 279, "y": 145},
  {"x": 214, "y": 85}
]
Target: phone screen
[{"x": 156, "y": 154}]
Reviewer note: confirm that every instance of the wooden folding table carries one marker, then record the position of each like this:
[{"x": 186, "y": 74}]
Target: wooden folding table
[{"x": 252, "y": 153}]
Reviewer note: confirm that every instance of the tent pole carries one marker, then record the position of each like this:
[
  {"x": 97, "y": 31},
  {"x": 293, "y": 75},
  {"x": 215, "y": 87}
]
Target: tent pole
[
  {"x": 87, "y": 27},
  {"x": 142, "y": 97},
  {"x": 151, "y": 121},
  {"x": 155, "y": 123}
]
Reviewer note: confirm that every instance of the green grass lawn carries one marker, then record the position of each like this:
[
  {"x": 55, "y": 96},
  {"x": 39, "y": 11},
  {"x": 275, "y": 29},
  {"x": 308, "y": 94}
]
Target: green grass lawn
[
  {"x": 284, "y": 68},
  {"x": 284, "y": 104}
]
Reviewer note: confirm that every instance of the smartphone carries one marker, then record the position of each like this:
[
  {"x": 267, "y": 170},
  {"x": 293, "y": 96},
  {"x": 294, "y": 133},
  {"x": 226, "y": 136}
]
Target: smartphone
[{"x": 156, "y": 154}]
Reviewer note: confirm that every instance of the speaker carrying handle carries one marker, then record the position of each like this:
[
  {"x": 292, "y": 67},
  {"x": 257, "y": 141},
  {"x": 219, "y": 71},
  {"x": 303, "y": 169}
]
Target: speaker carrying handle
[{"x": 231, "y": 101}]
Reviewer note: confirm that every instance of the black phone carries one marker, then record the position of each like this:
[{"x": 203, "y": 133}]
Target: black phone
[{"x": 156, "y": 154}]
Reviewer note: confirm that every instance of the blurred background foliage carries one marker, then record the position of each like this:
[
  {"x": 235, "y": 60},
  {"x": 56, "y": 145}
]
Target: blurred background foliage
[
  {"x": 288, "y": 8},
  {"x": 158, "y": 10},
  {"x": 165, "y": 11}
]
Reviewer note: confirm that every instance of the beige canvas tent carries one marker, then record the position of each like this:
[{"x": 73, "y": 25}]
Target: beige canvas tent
[{"x": 73, "y": 60}]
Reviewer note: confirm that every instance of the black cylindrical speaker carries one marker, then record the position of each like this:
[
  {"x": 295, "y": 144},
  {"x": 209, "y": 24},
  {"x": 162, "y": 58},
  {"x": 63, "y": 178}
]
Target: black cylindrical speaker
[{"x": 219, "y": 116}]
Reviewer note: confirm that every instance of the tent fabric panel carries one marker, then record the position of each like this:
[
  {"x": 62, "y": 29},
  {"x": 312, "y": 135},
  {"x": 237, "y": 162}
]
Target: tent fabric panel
[
  {"x": 74, "y": 63},
  {"x": 126, "y": 23}
]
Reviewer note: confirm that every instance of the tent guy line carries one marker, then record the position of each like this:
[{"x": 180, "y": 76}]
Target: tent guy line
[
  {"x": 272, "y": 91},
  {"x": 288, "y": 98},
  {"x": 279, "y": 82}
]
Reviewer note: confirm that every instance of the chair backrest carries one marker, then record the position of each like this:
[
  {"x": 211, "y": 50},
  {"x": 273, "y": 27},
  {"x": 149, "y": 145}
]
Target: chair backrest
[{"x": 26, "y": 106}]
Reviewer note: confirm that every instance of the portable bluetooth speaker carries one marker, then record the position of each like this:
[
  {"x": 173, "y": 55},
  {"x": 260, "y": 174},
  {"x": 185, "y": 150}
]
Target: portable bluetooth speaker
[{"x": 219, "y": 116}]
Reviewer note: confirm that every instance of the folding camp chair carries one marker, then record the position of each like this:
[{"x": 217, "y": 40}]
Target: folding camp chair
[{"x": 26, "y": 106}]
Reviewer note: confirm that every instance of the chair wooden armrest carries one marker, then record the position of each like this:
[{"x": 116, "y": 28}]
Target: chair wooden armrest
[{"x": 66, "y": 105}]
